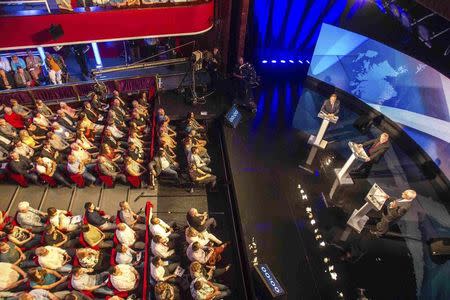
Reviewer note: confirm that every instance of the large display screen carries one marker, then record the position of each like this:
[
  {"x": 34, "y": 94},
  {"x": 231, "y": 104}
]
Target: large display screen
[{"x": 404, "y": 89}]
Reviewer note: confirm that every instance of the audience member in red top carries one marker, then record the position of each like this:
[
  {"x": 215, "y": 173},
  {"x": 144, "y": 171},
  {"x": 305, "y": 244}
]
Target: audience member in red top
[{"x": 14, "y": 119}]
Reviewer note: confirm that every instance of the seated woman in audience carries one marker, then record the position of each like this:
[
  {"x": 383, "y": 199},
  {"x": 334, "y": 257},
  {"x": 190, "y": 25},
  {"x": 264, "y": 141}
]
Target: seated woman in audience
[
  {"x": 62, "y": 221},
  {"x": 164, "y": 137},
  {"x": 166, "y": 291},
  {"x": 124, "y": 278},
  {"x": 203, "y": 289},
  {"x": 196, "y": 139},
  {"x": 204, "y": 238},
  {"x": 201, "y": 163},
  {"x": 84, "y": 143},
  {"x": 129, "y": 217},
  {"x": 188, "y": 144},
  {"x": 128, "y": 256},
  {"x": 128, "y": 237},
  {"x": 164, "y": 128},
  {"x": 89, "y": 258},
  {"x": 114, "y": 155},
  {"x": 163, "y": 248},
  {"x": 133, "y": 138},
  {"x": 94, "y": 237},
  {"x": 197, "y": 270},
  {"x": 63, "y": 132},
  {"x": 43, "y": 109},
  {"x": 82, "y": 281},
  {"x": 116, "y": 132},
  {"x": 193, "y": 124},
  {"x": 72, "y": 112},
  {"x": 86, "y": 124},
  {"x": 163, "y": 271},
  {"x": 80, "y": 154},
  {"x": 13, "y": 119},
  {"x": 198, "y": 176},
  {"x": 41, "y": 121},
  {"x": 38, "y": 134},
  {"x": 142, "y": 110},
  {"x": 19, "y": 109},
  {"x": 28, "y": 140},
  {"x": 49, "y": 167},
  {"x": 65, "y": 120},
  {"x": 10, "y": 253},
  {"x": 23, "y": 149},
  {"x": 21, "y": 237},
  {"x": 9, "y": 277},
  {"x": 133, "y": 167},
  {"x": 169, "y": 151},
  {"x": 46, "y": 279},
  {"x": 57, "y": 142},
  {"x": 204, "y": 254},
  {"x": 54, "y": 237},
  {"x": 55, "y": 258},
  {"x": 30, "y": 218}
]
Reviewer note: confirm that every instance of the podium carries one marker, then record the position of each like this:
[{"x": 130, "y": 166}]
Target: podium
[
  {"x": 318, "y": 140},
  {"x": 375, "y": 199},
  {"x": 357, "y": 153}
]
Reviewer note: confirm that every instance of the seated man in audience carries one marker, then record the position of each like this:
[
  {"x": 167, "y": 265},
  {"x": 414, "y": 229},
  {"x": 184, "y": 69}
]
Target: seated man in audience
[
  {"x": 94, "y": 237},
  {"x": 163, "y": 271},
  {"x": 111, "y": 154},
  {"x": 64, "y": 120},
  {"x": 17, "y": 62},
  {"x": 37, "y": 133},
  {"x": 23, "y": 150},
  {"x": 82, "y": 155},
  {"x": 55, "y": 65},
  {"x": 161, "y": 117},
  {"x": 199, "y": 162},
  {"x": 202, "y": 289},
  {"x": 57, "y": 143},
  {"x": 119, "y": 123},
  {"x": 23, "y": 78},
  {"x": 82, "y": 281},
  {"x": 9, "y": 277},
  {"x": 37, "y": 294},
  {"x": 98, "y": 105},
  {"x": 129, "y": 217},
  {"x": 135, "y": 153},
  {"x": 197, "y": 270},
  {"x": 201, "y": 177},
  {"x": 55, "y": 258},
  {"x": 126, "y": 255},
  {"x": 34, "y": 65},
  {"x": 204, "y": 238},
  {"x": 128, "y": 237},
  {"x": 21, "y": 237},
  {"x": 60, "y": 219},
  {"x": 166, "y": 291},
  {"x": 41, "y": 121},
  {"x": 30, "y": 218},
  {"x": 5, "y": 73},
  {"x": 7, "y": 130},
  {"x": 94, "y": 217},
  {"x": 118, "y": 110},
  {"x": 116, "y": 133},
  {"x": 163, "y": 248},
  {"x": 20, "y": 109},
  {"x": 13, "y": 119},
  {"x": 198, "y": 221},
  {"x": 54, "y": 237},
  {"x": 139, "y": 121},
  {"x": 49, "y": 167},
  {"x": 63, "y": 132},
  {"x": 124, "y": 278},
  {"x": 159, "y": 227},
  {"x": 116, "y": 96},
  {"x": 21, "y": 165},
  {"x": 205, "y": 254},
  {"x": 90, "y": 113},
  {"x": 69, "y": 111},
  {"x": 193, "y": 124},
  {"x": 10, "y": 253},
  {"x": 161, "y": 165},
  {"x": 74, "y": 166},
  {"x": 50, "y": 153},
  {"x": 111, "y": 141},
  {"x": 133, "y": 168},
  {"x": 43, "y": 109},
  {"x": 110, "y": 168}
]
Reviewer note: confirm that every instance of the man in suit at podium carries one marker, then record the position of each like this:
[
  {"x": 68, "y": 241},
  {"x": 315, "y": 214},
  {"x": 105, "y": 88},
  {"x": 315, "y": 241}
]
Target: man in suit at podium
[
  {"x": 393, "y": 210},
  {"x": 331, "y": 106},
  {"x": 378, "y": 147}
]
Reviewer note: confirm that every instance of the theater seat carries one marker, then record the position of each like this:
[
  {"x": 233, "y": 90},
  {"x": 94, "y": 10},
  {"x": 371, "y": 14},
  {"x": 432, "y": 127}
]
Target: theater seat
[
  {"x": 77, "y": 179},
  {"x": 19, "y": 179},
  {"x": 134, "y": 181},
  {"x": 49, "y": 180}
]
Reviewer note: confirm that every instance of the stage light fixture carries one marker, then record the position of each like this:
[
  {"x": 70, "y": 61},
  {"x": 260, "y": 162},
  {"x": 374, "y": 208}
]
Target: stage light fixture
[
  {"x": 316, "y": 230},
  {"x": 313, "y": 222},
  {"x": 264, "y": 61},
  {"x": 331, "y": 268},
  {"x": 308, "y": 209},
  {"x": 273, "y": 61},
  {"x": 291, "y": 61},
  {"x": 326, "y": 260},
  {"x": 322, "y": 244},
  {"x": 300, "y": 61},
  {"x": 307, "y": 61},
  {"x": 394, "y": 9},
  {"x": 282, "y": 61},
  {"x": 333, "y": 275}
]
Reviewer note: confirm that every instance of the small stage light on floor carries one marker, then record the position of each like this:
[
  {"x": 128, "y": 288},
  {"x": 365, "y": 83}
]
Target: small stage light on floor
[
  {"x": 316, "y": 230},
  {"x": 340, "y": 295},
  {"x": 264, "y": 61},
  {"x": 330, "y": 268},
  {"x": 322, "y": 244},
  {"x": 308, "y": 209},
  {"x": 307, "y": 61},
  {"x": 333, "y": 275},
  {"x": 326, "y": 260},
  {"x": 273, "y": 61},
  {"x": 291, "y": 61},
  {"x": 318, "y": 237},
  {"x": 282, "y": 61},
  {"x": 300, "y": 61},
  {"x": 313, "y": 222}
]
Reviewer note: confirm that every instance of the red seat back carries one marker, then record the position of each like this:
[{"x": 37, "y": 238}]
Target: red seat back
[
  {"x": 19, "y": 179},
  {"x": 49, "y": 180},
  {"x": 134, "y": 181},
  {"x": 77, "y": 179}
]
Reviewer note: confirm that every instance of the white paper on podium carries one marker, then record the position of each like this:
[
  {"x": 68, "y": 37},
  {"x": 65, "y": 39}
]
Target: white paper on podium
[{"x": 376, "y": 196}]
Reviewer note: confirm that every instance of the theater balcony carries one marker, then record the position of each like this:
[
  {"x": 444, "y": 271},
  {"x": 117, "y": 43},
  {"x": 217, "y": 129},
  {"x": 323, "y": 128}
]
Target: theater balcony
[{"x": 26, "y": 24}]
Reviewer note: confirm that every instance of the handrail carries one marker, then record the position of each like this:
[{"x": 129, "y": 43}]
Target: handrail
[{"x": 26, "y": 1}]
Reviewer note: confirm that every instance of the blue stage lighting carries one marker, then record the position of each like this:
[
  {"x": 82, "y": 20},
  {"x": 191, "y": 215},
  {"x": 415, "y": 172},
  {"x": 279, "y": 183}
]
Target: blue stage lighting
[
  {"x": 307, "y": 61},
  {"x": 291, "y": 61},
  {"x": 264, "y": 61},
  {"x": 282, "y": 61},
  {"x": 300, "y": 61},
  {"x": 274, "y": 61}
]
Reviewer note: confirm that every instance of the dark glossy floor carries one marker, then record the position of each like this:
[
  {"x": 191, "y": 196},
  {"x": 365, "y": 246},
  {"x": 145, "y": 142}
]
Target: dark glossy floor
[{"x": 265, "y": 151}]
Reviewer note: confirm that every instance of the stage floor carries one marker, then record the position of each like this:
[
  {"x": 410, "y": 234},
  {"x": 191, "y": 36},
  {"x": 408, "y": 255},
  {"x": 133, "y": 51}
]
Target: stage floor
[{"x": 265, "y": 152}]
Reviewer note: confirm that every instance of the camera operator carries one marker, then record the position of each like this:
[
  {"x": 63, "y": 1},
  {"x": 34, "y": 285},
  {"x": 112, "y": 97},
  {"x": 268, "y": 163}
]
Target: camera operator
[{"x": 215, "y": 67}]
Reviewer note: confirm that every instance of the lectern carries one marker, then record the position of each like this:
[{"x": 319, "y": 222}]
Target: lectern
[
  {"x": 375, "y": 199},
  {"x": 318, "y": 140}
]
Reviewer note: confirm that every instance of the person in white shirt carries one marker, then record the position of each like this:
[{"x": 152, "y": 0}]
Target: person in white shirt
[
  {"x": 37, "y": 294},
  {"x": 23, "y": 149},
  {"x": 74, "y": 166},
  {"x": 62, "y": 221},
  {"x": 30, "y": 218},
  {"x": 124, "y": 278},
  {"x": 163, "y": 248},
  {"x": 202, "y": 289},
  {"x": 46, "y": 166},
  {"x": 159, "y": 227},
  {"x": 199, "y": 162},
  {"x": 116, "y": 133},
  {"x": 41, "y": 121},
  {"x": 204, "y": 238},
  {"x": 126, "y": 255},
  {"x": 9, "y": 276},
  {"x": 128, "y": 237},
  {"x": 55, "y": 258},
  {"x": 82, "y": 281},
  {"x": 199, "y": 253},
  {"x": 163, "y": 271}
]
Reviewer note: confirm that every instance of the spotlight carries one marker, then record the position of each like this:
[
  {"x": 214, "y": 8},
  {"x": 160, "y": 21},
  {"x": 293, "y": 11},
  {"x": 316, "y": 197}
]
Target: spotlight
[
  {"x": 308, "y": 209},
  {"x": 326, "y": 260},
  {"x": 340, "y": 295},
  {"x": 299, "y": 186},
  {"x": 330, "y": 268},
  {"x": 307, "y": 61},
  {"x": 300, "y": 61},
  {"x": 316, "y": 230},
  {"x": 318, "y": 237},
  {"x": 274, "y": 61},
  {"x": 322, "y": 244},
  {"x": 291, "y": 61},
  {"x": 282, "y": 61},
  {"x": 264, "y": 61},
  {"x": 395, "y": 11},
  {"x": 314, "y": 222},
  {"x": 305, "y": 197},
  {"x": 333, "y": 275}
]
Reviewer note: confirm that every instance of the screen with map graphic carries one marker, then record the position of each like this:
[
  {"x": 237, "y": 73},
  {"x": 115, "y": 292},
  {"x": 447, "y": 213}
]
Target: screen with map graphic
[{"x": 404, "y": 89}]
